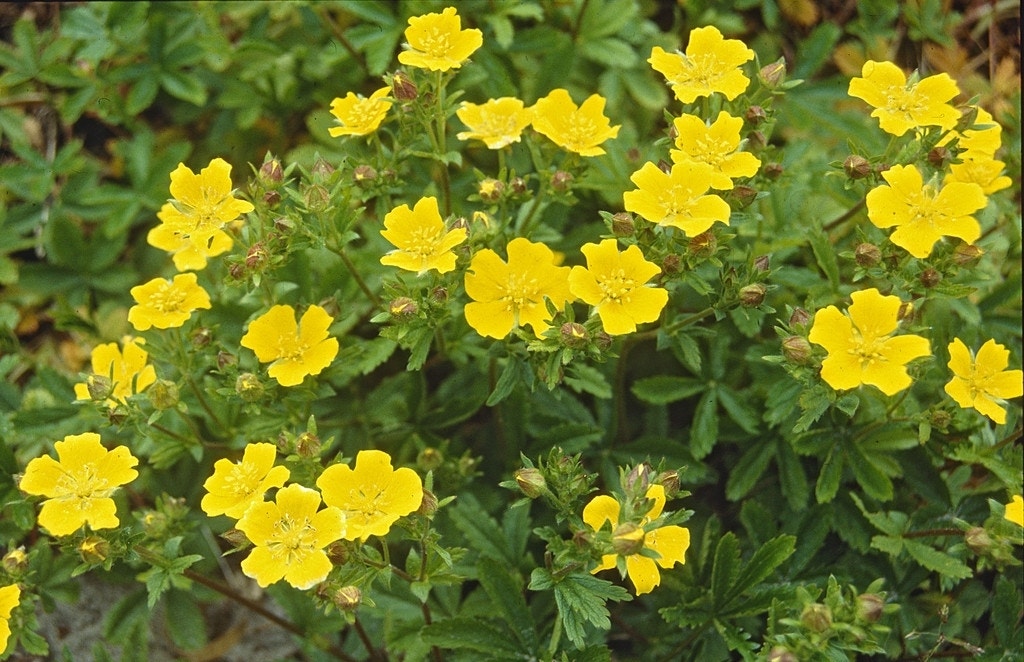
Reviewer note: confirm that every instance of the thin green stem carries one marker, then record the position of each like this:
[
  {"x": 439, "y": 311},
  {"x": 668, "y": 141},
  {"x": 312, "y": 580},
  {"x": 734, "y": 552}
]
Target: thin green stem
[
  {"x": 365, "y": 638},
  {"x": 845, "y": 216},
  {"x": 933, "y": 533},
  {"x": 556, "y": 635},
  {"x": 688, "y": 642},
  {"x": 340, "y": 252},
  {"x": 527, "y": 225},
  {"x": 441, "y": 127}
]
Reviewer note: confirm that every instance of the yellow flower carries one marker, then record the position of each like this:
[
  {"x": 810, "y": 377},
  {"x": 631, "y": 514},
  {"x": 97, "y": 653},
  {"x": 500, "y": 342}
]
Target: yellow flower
[
  {"x": 498, "y": 123},
  {"x": 860, "y": 345},
  {"x": 290, "y": 535},
  {"x": 437, "y": 41},
  {"x": 677, "y": 199},
  {"x": 372, "y": 495},
  {"x": 359, "y": 116},
  {"x": 716, "y": 145},
  {"x": 922, "y": 213},
  {"x": 668, "y": 542},
  {"x": 981, "y": 382},
  {"x": 1015, "y": 510},
  {"x": 423, "y": 242},
  {"x": 900, "y": 106},
  {"x": 10, "y": 596},
  {"x": 234, "y": 486},
  {"x": 711, "y": 64},
  {"x": 166, "y": 304},
  {"x": 981, "y": 142},
  {"x": 294, "y": 350},
  {"x": 614, "y": 284},
  {"x": 80, "y": 484},
  {"x": 512, "y": 294},
  {"x": 578, "y": 130},
  {"x": 126, "y": 369},
  {"x": 985, "y": 172},
  {"x": 191, "y": 223}
]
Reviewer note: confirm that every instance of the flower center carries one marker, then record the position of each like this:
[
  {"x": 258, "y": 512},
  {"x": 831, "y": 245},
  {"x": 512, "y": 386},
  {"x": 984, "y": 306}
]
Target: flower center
[
  {"x": 435, "y": 43},
  {"x": 242, "y": 481},
  {"x": 168, "y": 299},
  {"x": 291, "y": 348},
  {"x": 868, "y": 351},
  {"x": 293, "y": 539},
  {"x": 617, "y": 286},
  {"x": 902, "y": 100},
  {"x": 423, "y": 242},
  {"x": 521, "y": 292},
  {"x": 580, "y": 131},
  {"x": 84, "y": 482},
  {"x": 710, "y": 150},
  {"x": 363, "y": 113},
  {"x": 705, "y": 69}
]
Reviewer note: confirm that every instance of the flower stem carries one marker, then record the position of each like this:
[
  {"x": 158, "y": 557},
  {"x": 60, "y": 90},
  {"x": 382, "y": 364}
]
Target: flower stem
[
  {"x": 340, "y": 252},
  {"x": 441, "y": 126},
  {"x": 556, "y": 635}
]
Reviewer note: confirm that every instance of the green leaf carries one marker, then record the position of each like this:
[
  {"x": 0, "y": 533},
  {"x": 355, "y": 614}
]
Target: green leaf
[
  {"x": 1005, "y": 610},
  {"x": 688, "y": 352},
  {"x": 475, "y": 634},
  {"x": 726, "y": 569},
  {"x": 875, "y": 483},
  {"x": 825, "y": 254},
  {"x": 792, "y": 477},
  {"x": 748, "y": 469},
  {"x": 506, "y": 594},
  {"x": 510, "y": 376},
  {"x": 704, "y": 431},
  {"x": 588, "y": 379},
  {"x": 739, "y": 411},
  {"x": 185, "y": 621},
  {"x": 831, "y": 475},
  {"x": 663, "y": 389},
  {"x": 482, "y": 531},
  {"x": 581, "y": 599},
  {"x": 763, "y": 563},
  {"x": 610, "y": 51},
  {"x": 937, "y": 561}
]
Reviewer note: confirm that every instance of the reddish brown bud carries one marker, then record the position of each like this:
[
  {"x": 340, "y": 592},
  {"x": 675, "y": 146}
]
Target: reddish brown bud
[
  {"x": 773, "y": 170},
  {"x": 967, "y": 255},
  {"x": 364, "y": 174},
  {"x": 857, "y": 167},
  {"x": 623, "y": 224},
  {"x": 403, "y": 307},
  {"x": 867, "y": 255},
  {"x": 671, "y": 264},
  {"x": 428, "y": 504},
  {"x": 518, "y": 185},
  {"x": 347, "y": 598},
  {"x": 799, "y": 319},
  {"x": 271, "y": 174},
  {"x": 561, "y": 181},
  {"x": 491, "y": 189},
  {"x": 755, "y": 115},
  {"x": 939, "y": 156},
  {"x": 402, "y": 87},
  {"x": 797, "y": 349},
  {"x": 762, "y": 263},
  {"x": 743, "y": 195},
  {"x": 870, "y": 607},
  {"x": 756, "y": 141},
  {"x": 774, "y": 74},
  {"x": 574, "y": 335},
  {"x": 930, "y": 278},
  {"x": 530, "y": 481},
  {"x": 752, "y": 296},
  {"x": 703, "y": 245},
  {"x": 816, "y": 617}
]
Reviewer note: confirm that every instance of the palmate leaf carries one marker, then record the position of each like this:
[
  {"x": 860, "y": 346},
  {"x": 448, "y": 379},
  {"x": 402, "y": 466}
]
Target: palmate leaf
[
  {"x": 581, "y": 599},
  {"x": 484, "y": 636}
]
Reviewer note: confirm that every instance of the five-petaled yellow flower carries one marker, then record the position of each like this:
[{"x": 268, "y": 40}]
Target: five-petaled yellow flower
[
  {"x": 166, "y": 304},
  {"x": 576, "y": 129},
  {"x": 900, "y": 106},
  {"x": 978, "y": 163},
  {"x": 234, "y": 486},
  {"x": 922, "y": 213},
  {"x": 498, "y": 122},
  {"x": 422, "y": 241},
  {"x": 669, "y": 543},
  {"x": 358, "y": 116},
  {"x": 1015, "y": 510},
  {"x": 191, "y": 223},
  {"x": 711, "y": 64},
  {"x": 715, "y": 144},
  {"x": 10, "y": 596},
  {"x": 506, "y": 295},
  {"x": 982, "y": 381},
  {"x": 79, "y": 485},
  {"x": 293, "y": 350},
  {"x": 677, "y": 199},
  {"x": 290, "y": 535},
  {"x": 614, "y": 284},
  {"x": 372, "y": 495},
  {"x": 437, "y": 41},
  {"x": 126, "y": 369},
  {"x": 860, "y": 345}
]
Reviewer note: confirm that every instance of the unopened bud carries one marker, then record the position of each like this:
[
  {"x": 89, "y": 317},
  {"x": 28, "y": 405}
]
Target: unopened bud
[
  {"x": 869, "y": 607},
  {"x": 321, "y": 171},
  {"x": 530, "y": 481},
  {"x": 602, "y": 340},
  {"x": 623, "y": 224},
  {"x": 930, "y": 278},
  {"x": 271, "y": 174},
  {"x": 867, "y": 255},
  {"x": 257, "y": 256},
  {"x": 774, "y": 74},
  {"x": 316, "y": 197},
  {"x": 799, "y": 319},
  {"x": 978, "y": 540},
  {"x": 249, "y": 387},
  {"x": 225, "y": 359},
  {"x": 940, "y": 419},
  {"x": 671, "y": 264},
  {"x": 638, "y": 479},
  {"x": 236, "y": 539},
  {"x": 439, "y": 294},
  {"x": 752, "y": 296},
  {"x": 670, "y": 481},
  {"x": 491, "y": 189},
  {"x": 518, "y": 185},
  {"x": 364, "y": 174},
  {"x": 773, "y": 170},
  {"x": 428, "y": 504},
  {"x": 94, "y": 550},
  {"x": 628, "y": 539},
  {"x": 967, "y": 255},
  {"x": 237, "y": 271},
  {"x": 755, "y": 115},
  {"x": 743, "y": 195},
  {"x": 816, "y": 617},
  {"x": 307, "y": 445},
  {"x": 163, "y": 394},
  {"x": 763, "y": 263},
  {"x": 99, "y": 386},
  {"x": 15, "y": 561},
  {"x": 347, "y": 598},
  {"x": 905, "y": 311},
  {"x": 574, "y": 335},
  {"x": 756, "y": 141},
  {"x": 271, "y": 198},
  {"x": 402, "y": 87},
  {"x": 339, "y": 552},
  {"x": 939, "y": 156},
  {"x": 429, "y": 459},
  {"x": 403, "y": 307},
  {"x": 796, "y": 349},
  {"x": 703, "y": 245},
  {"x": 857, "y": 167},
  {"x": 561, "y": 181}
]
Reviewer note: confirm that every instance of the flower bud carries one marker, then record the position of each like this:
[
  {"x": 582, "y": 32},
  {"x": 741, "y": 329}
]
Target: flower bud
[
  {"x": 816, "y": 617},
  {"x": 307, "y": 445},
  {"x": 321, "y": 171},
  {"x": 756, "y": 141},
  {"x": 561, "y": 181},
  {"x": 743, "y": 195},
  {"x": 339, "y": 552},
  {"x": 906, "y": 311},
  {"x": 623, "y": 224},
  {"x": 967, "y": 255},
  {"x": 403, "y": 307},
  {"x": 574, "y": 335},
  {"x": 94, "y": 550},
  {"x": 930, "y": 278},
  {"x": 857, "y": 167},
  {"x": 100, "y": 387},
  {"x": 752, "y": 296},
  {"x": 347, "y": 598},
  {"x": 316, "y": 198},
  {"x": 257, "y": 256},
  {"x": 154, "y": 523},
  {"x": 271, "y": 198},
  {"x": 638, "y": 479},
  {"x": 939, "y": 156},
  {"x": 428, "y": 504},
  {"x": 364, "y": 174},
  {"x": 869, "y": 607},
  {"x": 225, "y": 359},
  {"x": 491, "y": 189},
  {"x": 236, "y": 539},
  {"x": 978, "y": 540},
  {"x": 799, "y": 319},
  {"x": 773, "y": 170},
  {"x": 633, "y": 155},
  {"x": 755, "y": 115},
  {"x": 163, "y": 394},
  {"x": 796, "y": 349},
  {"x": 940, "y": 419},
  {"x": 867, "y": 255},
  {"x": 670, "y": 481},
  {"x": 763, "y": 263},
  {"x": 602, "y": 340},
  {"x": 439, "y": 294},
  {"x": 628, "y": 539},
  {"x": 530, "y": 481},
  {"x": 703, "y": 245},
  {"x": 429, "y": 459},
  {"x": 402, "y": 87},
  {"x": 237, "y": 271},
  {"x": 249, "y": 387},
  {"x": 518, "y": 185},
  {"x": 15, "y": 561},
  {"x": 774, "y": 74},
  {"x": 671, "y": 264},
  {"x": 271, "y": 174}
]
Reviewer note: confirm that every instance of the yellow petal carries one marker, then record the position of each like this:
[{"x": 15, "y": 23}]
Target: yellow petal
[
  {"x": 601, "y": 509},
  {"x": 670, "y": 542},
  {"x": 643, "y": 572}
]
